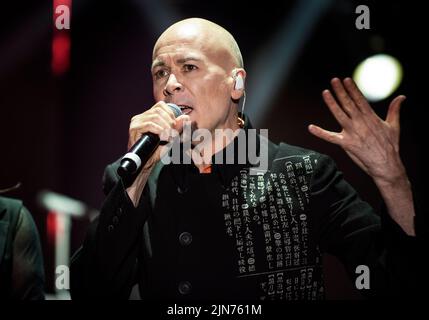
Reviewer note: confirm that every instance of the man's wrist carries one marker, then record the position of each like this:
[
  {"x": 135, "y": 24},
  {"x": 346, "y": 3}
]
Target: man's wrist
[
  {"x": 135, "y": 190},
  {"x": 393, "y": 182}
]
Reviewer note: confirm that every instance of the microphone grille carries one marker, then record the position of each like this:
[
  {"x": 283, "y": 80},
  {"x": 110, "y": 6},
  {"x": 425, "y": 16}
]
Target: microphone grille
[{"x": 176, "y": 110}]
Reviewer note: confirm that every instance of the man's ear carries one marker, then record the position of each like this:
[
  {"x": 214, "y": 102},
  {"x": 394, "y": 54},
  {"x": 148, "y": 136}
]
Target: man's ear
[{"x": 239, "y": 76}]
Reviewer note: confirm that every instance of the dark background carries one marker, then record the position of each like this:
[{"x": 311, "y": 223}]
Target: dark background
[{"x": 59, "y": 132}]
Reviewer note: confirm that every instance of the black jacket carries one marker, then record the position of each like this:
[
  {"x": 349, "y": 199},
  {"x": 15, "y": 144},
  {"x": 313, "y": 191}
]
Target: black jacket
[{"x": 231, "y": 235}]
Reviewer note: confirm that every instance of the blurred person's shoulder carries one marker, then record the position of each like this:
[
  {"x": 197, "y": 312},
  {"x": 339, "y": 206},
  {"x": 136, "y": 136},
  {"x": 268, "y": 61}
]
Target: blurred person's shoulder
[
  {"x": 14, "y": 214},
  {"x": 10, "y": 207}
]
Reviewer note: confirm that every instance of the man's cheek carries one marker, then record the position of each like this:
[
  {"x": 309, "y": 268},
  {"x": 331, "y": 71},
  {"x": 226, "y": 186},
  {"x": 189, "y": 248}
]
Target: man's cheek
[{"x": 157, "y": 96}]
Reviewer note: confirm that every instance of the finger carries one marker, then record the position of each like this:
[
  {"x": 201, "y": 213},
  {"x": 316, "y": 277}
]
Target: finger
[
  {"x": 176, "y": 130},
  {"x": 163, "y": 150},
  {"x": 180, "y": 122},
  {"x": 335, "y": 109},
  {"x": 371, "y": 120},
  {"x": 343, "y": 97},
  {"x": 357, "y": 96},
  {"x": 332, "y": 137},
  {"x": 136, "y": 133},
  {"x": 393, "y": 114},
  {"x": 161, "y": 119},
  {"x": 166, "y": 113},
  {"x": 164, "y": 106}
]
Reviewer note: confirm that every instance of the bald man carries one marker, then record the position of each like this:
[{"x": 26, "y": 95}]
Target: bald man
[{"x": 210, "y": 230}]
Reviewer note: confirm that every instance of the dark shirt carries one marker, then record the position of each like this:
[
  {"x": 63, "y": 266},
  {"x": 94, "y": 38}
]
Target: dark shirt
[
  {"x": 232, "y": 235},
  {"x": 21, "y": 261}
]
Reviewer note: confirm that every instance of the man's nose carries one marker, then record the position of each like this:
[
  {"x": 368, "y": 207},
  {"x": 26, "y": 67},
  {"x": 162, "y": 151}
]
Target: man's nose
[{"x": 172, "y": 86}]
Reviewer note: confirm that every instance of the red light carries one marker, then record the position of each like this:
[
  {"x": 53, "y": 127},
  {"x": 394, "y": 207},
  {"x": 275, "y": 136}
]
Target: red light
[
  {"x": 61, "y": 42},
  {"x": 60, "y": 53},
  {"x": 51, "y": 226}
]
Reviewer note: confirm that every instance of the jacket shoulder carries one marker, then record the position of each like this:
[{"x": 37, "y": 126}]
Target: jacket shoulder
[
  {"x": 286, "y": 150},
  {"x": 311, "y": 161}
]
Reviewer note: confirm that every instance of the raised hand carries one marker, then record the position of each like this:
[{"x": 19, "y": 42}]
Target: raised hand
[{"x": 371, "y": 142}]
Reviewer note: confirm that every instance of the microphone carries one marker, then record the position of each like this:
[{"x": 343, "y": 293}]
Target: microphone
[{"x": 142, "y": 150}]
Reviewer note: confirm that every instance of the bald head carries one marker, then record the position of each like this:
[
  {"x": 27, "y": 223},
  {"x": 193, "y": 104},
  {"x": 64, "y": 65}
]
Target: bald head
[
  {"x": 210, "y": 36},
  {"x": 195, "y": 65}
]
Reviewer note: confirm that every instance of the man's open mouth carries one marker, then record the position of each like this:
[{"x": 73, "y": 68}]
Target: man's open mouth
[{"x": 185, "y": 109}]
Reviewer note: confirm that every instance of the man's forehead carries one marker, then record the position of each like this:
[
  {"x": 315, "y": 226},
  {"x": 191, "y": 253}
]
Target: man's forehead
[
  {"x": 207, "y": 42},
  {"x": 177, "y": 43},
  {"x": 177, "y": 57},
  {"x": 213, "y": 40},
  {"x": 189, "y": 32},
  {"x": 178, "y": 50},
  {"x": 195, "y": 36}
]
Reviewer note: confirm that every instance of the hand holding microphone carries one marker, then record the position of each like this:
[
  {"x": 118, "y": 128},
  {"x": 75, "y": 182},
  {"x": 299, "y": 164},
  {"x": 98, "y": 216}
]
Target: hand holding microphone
[{"x": 145, "y": 130}]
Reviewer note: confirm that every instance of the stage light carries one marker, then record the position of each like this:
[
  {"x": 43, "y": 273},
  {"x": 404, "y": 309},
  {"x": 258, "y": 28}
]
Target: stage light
[{"x": 378, "y": 76}]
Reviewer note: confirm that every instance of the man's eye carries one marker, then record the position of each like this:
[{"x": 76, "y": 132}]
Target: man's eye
[
  {"x": 161, "y": 74},
  {"x": 189, "y": 67}
]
